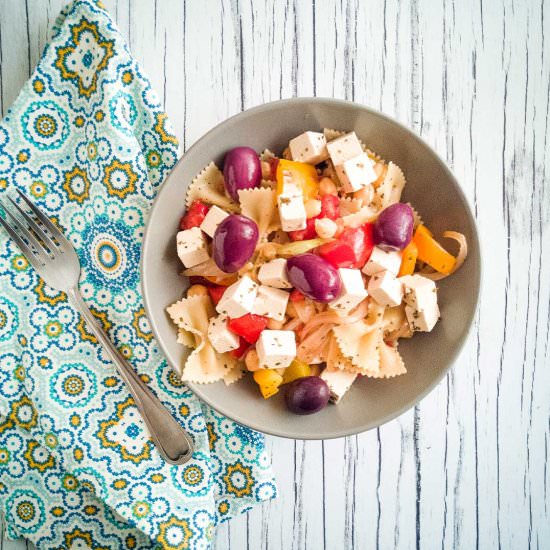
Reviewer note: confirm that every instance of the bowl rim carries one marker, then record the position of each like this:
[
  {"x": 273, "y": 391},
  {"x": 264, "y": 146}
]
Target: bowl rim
[{"x": 289, "y": 434}]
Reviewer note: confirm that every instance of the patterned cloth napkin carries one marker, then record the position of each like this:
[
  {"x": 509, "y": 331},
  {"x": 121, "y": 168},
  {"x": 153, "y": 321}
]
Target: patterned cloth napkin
[{"x": 88, "y": 142}]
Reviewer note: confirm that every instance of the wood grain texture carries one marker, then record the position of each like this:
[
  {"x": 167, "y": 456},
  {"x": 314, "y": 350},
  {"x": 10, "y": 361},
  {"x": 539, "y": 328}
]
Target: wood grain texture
[{"x": 468, "y": 467}]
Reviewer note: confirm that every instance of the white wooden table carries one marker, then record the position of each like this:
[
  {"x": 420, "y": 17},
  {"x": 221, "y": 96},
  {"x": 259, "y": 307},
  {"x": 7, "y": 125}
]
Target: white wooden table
[{"x": 468, "y": 467}]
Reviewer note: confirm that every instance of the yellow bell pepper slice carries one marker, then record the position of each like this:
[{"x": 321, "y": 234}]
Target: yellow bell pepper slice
[
  {"x": 408, "y": 259},
  {"x": 431, "y": 252},
  {"x": 296, "y": 369},
  {"x": 302, "y": 174},
  {"x": 268, "y": 381}
]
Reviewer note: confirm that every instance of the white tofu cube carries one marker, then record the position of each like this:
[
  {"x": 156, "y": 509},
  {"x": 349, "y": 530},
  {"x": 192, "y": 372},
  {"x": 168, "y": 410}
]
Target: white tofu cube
[
  {"x": 221, "y": 338},
  {"x": 418, "y": 292},
  {"x": 310, "y": 147},
  {"x": 276, "y": 348},
  {"x": 356, "y": 173},
  {"x": 213, "y": 218},
  {"x": 383, "y": 260},
  {"x": 239, "y": 298},
  {"x": 338, "y": 382},
  {"x": 291, "y": 208},
  {"x": 274, "y": 274},
  {"x": 353, "y": 291},
  {"x": 422, "y": 320},
  {"x": 271, "y": 302},
  {"x": 344, "y": 148},
  {"x": 191, "y": 247},
  {"x": 386, "y": 289}
]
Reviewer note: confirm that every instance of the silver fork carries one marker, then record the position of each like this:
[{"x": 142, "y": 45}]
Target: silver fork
[{"x": 56, "y": 261}]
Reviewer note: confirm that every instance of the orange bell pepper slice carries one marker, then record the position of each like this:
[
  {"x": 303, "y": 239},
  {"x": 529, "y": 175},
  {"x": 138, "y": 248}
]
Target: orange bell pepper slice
[
  {"x": 300, "y": 173},
  {"x": 408, "y": 259},
  {"x": 221, "y": 281},
  {"x": 431, "y": 252}
]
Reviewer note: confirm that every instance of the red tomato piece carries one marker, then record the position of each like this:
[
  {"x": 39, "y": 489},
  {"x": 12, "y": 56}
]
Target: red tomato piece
[
  {"x": 216, "y": 293},
  {"x": 241, "y": 350},
  {"x": 352, "y": 249},
  {"x": 304, "y": 234},
  {"x": 330, "y": 207},
  {"x": 248, "y": 326},
  {"x": 273, "y": 163},
  {"x": 194, "y": 216},
  {"x": 296, "y": 296},
  {"x": 337, "y": 253}
]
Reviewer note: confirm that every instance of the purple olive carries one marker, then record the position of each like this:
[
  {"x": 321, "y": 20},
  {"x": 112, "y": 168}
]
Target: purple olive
[
  {"x": 234, "y": 242},
  {"x": 307, "y": 395},
  {"x": 394, "y": 227},
  {"x": 314, "y": 277},
  {"x": 241, "y": 170}
]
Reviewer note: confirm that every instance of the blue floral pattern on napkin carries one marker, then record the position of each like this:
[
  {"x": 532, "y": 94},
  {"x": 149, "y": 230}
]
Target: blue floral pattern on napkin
[{"x": 88, "y": 142}]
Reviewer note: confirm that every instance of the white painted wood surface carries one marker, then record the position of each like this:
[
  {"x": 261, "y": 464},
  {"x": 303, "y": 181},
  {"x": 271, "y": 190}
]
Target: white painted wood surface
[{"x": 468, "y": 467}]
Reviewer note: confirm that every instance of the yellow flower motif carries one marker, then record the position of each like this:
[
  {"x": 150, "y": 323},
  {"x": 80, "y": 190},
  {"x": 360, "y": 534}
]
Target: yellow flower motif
[
  {"x": 4, "y": 456},
  {"x": 19, "y": 373},
  {"x": 131, "y": 541},
  {"x": 126, "y": 351},
  {"x": 174, "y": 380},
  {"x": 184, "y": 410},
  {"x": 58, "y": 511},
  {"x": 44, "y": 362},
  {"x": 23, "y": 156},
  {"x": 223, "y": 507},
  {"x": 127, "y": 77},
  {"x": 119, "y": 178},
  {"x": 53, "y": 329},
  {"x": 38, "y": 86},
  {"x": 25, "y": 511},
  {"x": 78, "y": 454},
  {"x": 212, "y": 436},
  {"x": 70, "y": 483},
  {"x": 77, "y": 185},
  {"x": 92, "y": 150},
  {"x": 23, "y": 413},
  {"x": 100, "y": 115},
  {"x": 79, "y": 121},
  {"x": 82, "y": 328},
  {"x": 91, "y": 510},
  {"x": 85, "y": 87},
  {"x": 140, "y": 319},
  {"x": 153, "y": 159},
  {"x": 160, "y": 128},
  {"x": 6, "y": 425},
  {"x": 50, "y": 440},
  {"x": 119, "y": 484},
  {"x": 38, "y": 189},
  {"x": 22, "y": 340},
  {"x": 238, "y": 479},
  {"x": 78, "y": 535},
  {"x": 73, "y": 385},
  {"x": 157, "y": 478},
  {"x": 192, "y": 475},
  {"x": 145, "y": 377},
  {"x": 75, "y": 419},
  {"x": 110, "y": 382},
  {"x": 175, "y": 534},
  {"x": 48, "y": 295},
  {"x": 19, "y": 262},
  {"x": 3, "y": 183},
  {"x": 140, "y": 509},
  {"x": 30, "y": 457}
]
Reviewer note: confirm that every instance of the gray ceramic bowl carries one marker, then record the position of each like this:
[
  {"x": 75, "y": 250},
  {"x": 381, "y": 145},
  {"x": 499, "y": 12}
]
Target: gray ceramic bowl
[{"x": 433, "y": 191}]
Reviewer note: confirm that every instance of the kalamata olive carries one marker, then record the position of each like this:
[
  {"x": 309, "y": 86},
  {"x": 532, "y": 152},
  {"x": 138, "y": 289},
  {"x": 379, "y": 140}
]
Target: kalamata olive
[
  {"x": 314, "y": 277},
  {"x": 241, "y": 170},
  {"x": 307, "y": 395},
  {"x": 394, "y": 227},
  {"x": 234, "y": 242}
]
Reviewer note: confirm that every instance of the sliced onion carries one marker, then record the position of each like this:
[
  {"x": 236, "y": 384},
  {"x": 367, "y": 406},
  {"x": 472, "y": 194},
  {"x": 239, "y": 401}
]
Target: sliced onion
[
  {"x": 305, "y": 310},
  {"x": 205, "y": 269},
  {"x": 294, "y": 324},
  {"x": 311, "y": 346},
  {"x": 460, "y": 257},
  {"x": 300, "y": 247}
]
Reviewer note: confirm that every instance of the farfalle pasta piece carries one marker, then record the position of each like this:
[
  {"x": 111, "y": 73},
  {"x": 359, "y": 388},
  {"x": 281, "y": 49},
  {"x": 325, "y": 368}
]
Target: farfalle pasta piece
[
  {"x": 349, "y": 205},
  {"x": 235, "y": 374},
  {"x": 391, "y": 363},
  {"x": 335, "y": 358},
  {"x": 360, "y": 343},
  {"x": 331, "y": 133},
  {"x": 417, "y": 217},
  {"x": 389, "y": 191},
  {"x": 364, "y": 215},
  {"x": 260, "y": 204},
  {"x": 186, "y": 338},
  {"x": 208, "y": 186},
  {"x": 203, "y": 365},
  {"x": 395, "y": 323}
]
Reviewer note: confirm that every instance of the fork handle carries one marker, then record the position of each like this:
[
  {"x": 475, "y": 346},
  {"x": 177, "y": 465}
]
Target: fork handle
[{"x": 172, "y": 441}]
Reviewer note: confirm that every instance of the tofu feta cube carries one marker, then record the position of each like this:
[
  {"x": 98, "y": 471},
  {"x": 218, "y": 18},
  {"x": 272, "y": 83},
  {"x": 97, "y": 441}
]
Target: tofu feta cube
[
  {"x": 276, "y": 348},
  {"x": 422, "y": 320},
  {"x": 213, "y": 218},
  {"x": 338, "y": 382},
  {"x": 239, "y": 298},
  {"x": 386, "y": 289},
  {"x": 271, "y": 302},
  {"x": 274, "y": 274},
  {"x": 310, "y": 147},
  {"x": 191, "y": 247},
  {"x": 382, "y": 260},
  {"x": 356, "y": 173},
  {"x": 291, "y": 208},
  {"x": 353, "y": 291},
  {"x": 221, "y": 338},
  {"x": 418, "y": 292},
  {"x": 344, "y": 148}
]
